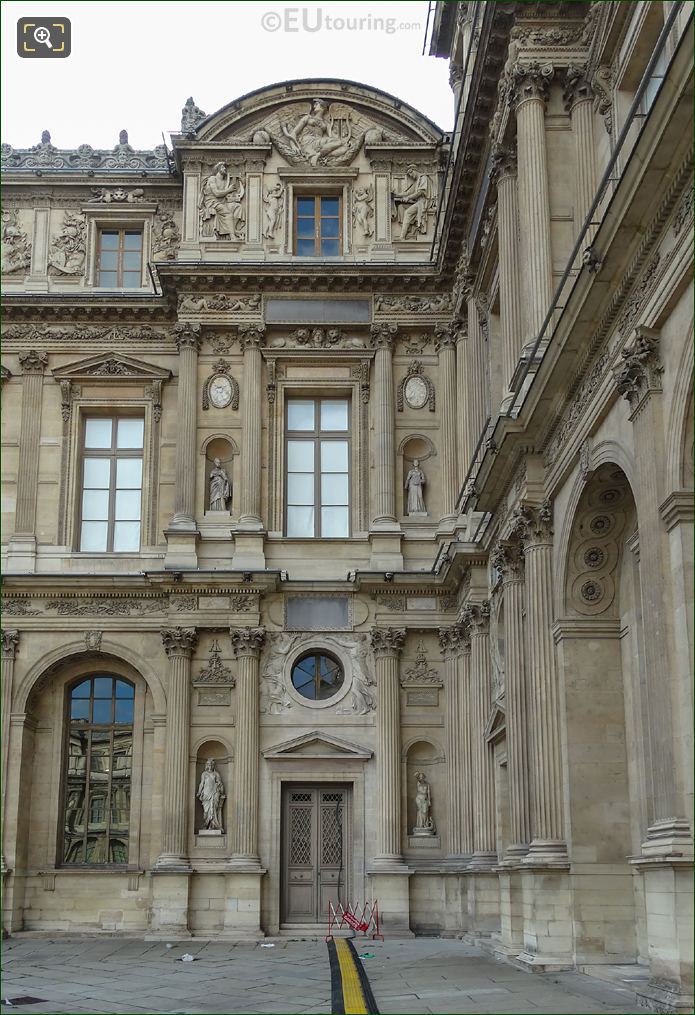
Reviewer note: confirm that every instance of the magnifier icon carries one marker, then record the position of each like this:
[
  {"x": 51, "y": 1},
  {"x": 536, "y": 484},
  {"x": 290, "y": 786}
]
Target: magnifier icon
[{"x": 43, "y": 36}]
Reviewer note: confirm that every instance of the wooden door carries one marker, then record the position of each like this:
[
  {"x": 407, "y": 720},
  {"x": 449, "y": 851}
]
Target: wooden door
[{"x": 315, "y": 851}]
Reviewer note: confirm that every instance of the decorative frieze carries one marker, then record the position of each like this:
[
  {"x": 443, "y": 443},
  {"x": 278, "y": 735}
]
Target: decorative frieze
[
  {"x": 215, "y": 672},
  {"x": 46, "y": 157}
]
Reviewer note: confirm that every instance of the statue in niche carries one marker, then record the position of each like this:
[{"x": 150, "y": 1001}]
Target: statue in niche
[
  {"x": 323, "y": 136},
  {"x": 220, "y": 487},
  {"x": 424, "y": 824},
  {"x": 414, "y": 484},
  {"x": 411, "y": 205},
  {"x": 273, "y": 208},
  {"x": 221, "y": 211},
  {"x": 212, "y": 796},
  {"x": 363, "y": 209}
]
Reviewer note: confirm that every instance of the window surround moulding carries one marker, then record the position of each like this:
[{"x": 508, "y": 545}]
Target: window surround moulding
[{"x": 118, "y": 216}]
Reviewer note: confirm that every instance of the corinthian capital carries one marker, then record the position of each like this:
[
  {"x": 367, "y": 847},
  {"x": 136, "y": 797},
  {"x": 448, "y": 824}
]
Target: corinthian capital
[
  {"x": 476, "y": 617},
  {"x": 576, "y": 87},
  {"x": 454, "y": 640},
  {"x": 179, "y": 641},
  {"x": 10, "y": 641},
  {"x": 529, "y": 81},
  {"x": 387, "y": 641},
  {"x": 445, "y": 335},
  {"x": 641, "y": 367},
  {"x": 508, "y": 558},
  {"x": 533, "y": 524},
  {"x": 247, "y": 641},
  {"x": 187, "y": 335},
  {"x": 251, "y": 336},
  {"x": 383, "y": 335},
  {"x": 503, "y": 161},
  {"x": 33, "y": 362}
]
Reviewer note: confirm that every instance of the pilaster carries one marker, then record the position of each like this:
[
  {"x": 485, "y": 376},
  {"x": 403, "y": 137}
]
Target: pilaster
[
  {"x": 182, "y": 535},
  {"x": 10, "y": 644},
  {"x": 248, "y": 547},
  {"x": 578, "y": 98},
  {"x": 445, "y": 344},
  {"x": 504, "y": 173},
  {"x": 21, "y": 553},
  {"x": 477, "y": 616},
  {"x": 455, "y": 645},
  {"x": 247, "y": 643},
  {"x": 385, "y": 531}
]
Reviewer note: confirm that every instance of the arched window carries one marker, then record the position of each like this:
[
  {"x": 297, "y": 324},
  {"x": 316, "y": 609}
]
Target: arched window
[
  {"x": 317, "y": 676},
  {"x": 98, "y": 771}
]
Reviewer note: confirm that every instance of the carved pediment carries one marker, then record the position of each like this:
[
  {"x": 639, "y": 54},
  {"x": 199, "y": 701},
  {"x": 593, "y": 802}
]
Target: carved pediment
[
  {"x": 317, "y": 745},
  {"x": 318, "y": 123},
  {"x": 496, "y": 726},
  {"x": 107, "y": 366}
]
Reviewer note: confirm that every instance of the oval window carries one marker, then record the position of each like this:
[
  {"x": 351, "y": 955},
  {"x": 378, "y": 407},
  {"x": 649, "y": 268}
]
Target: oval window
[{"x": 317, "y": 676}]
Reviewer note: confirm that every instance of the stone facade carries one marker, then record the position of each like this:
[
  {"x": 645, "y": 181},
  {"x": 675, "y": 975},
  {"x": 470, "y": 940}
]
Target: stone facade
[{"x": 507, "y": 314}]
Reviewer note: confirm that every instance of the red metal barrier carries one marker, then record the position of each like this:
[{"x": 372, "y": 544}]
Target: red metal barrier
[{"x": 362, "y": 917}]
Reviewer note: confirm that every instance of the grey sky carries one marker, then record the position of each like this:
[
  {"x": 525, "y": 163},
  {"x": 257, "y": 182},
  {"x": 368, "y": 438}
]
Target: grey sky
[{"x": 133, "y": 64}]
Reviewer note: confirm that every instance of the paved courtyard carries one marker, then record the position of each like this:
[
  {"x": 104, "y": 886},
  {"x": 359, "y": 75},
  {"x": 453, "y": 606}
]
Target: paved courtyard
[{"x": 422, "y": 975}]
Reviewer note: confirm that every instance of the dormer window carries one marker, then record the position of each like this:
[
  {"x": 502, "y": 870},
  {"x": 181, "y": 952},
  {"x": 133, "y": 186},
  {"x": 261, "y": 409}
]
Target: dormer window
[{"x": 317, "y": 225}]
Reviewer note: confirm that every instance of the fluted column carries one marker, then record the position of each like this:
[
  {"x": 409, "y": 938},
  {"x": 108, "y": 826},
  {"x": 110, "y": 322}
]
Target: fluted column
[
  {"x": 462, "y": 418},
  {"x": 484, "y": 852},
  {"x": 528, "y": 94},
  {"x": 639, "y": 379},
  {"x": 578, "y": 98},
  {"x": 534, "y": 524},
  {"x": 179, "y": 645},
  {"x": 387, "y": 644},
  {"x": 383, "y": 337},
  {"x": 247, "y": 643},
  {"x": 455, "y": 645},
  {"x": 445, "y": 344},
  {"x": 188, "y": 340},
  {"x": 508, "y": 558},
  {"x": 504, "y": 172},
  {"x": 475, "y": 395},
  {"x": 10, "y": 642},
  {"x": 33, "y": 365},
  {"x": 251, "y": 338}
]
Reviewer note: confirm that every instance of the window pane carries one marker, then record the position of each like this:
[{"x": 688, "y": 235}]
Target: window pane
[
  {"x": 79, "y": 708},
  {"x": 133, "y": 241},
  {"x": 131, "y": 279},
  {"x": 107, "y": 279},
  {"x": 300, "y": 488},
  {"x": 129, "y": 473},
  {"x": 124, "y": 710},
  {"x": 131, "y": 259},
  {"x": 300, "y": 521},
  {"x": 93, "y": 536},
  {"x": 305, "y": 205},
  {"x": 300, "y": 456},
  {"x": 300, "y": 415},
  {"x": 329, "y": 248},
  {"x": 334, "y": 488},
  {"x": 103, "y": 687},
  {"x": 334, "y": 522},
  {"x": 95, "y": 505},
  {"x": 130, "y": 433},
  {"x": 101, "y": 714},
  {"x": 305, "y": 248},
  {"x": 97, "y": 473},
  {"x": 124, "y": 690},
  {"x": 82, "y": 690},
  {"x": 97, "y": 433},
  {"x": 127, "y": 505},
  {"x": 329, "y": 227},
  {"x": 334, "y": 456},
  {"x": 109, "y": 241},
  {"x": 330, "y": 205},
  {"x": 126, "y": 536},
  {"x": 334, "y": 415},
  {"x": 108, "y": 261},
  {"x": 306, "y": 228}
]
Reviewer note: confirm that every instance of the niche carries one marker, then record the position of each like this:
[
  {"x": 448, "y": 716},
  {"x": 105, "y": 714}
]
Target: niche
[
  {"x": 219, "y": 475},
  {"x": 212, "y": 749},
  {"x": 425, "y": 760},
  {"x": 417, "y": 448}
]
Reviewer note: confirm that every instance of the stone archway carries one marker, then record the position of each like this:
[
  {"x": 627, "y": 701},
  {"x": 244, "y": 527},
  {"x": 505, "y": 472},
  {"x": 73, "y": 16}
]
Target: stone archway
[{"x": 599, "y": 649}]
